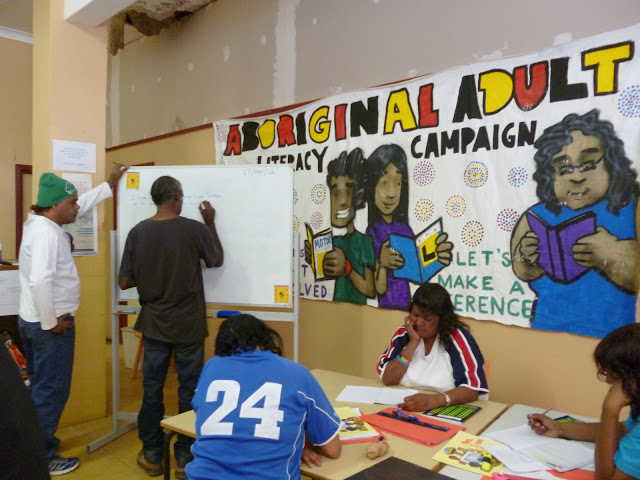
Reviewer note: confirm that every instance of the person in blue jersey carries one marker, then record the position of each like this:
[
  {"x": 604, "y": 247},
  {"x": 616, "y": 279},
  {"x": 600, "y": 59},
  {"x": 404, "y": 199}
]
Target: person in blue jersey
[
  {"x": 258, "y": 414},
  {"x": 617, "y": 452},
  {"x": 434, "y": 351},
  {"x": 583, "y": 175}
]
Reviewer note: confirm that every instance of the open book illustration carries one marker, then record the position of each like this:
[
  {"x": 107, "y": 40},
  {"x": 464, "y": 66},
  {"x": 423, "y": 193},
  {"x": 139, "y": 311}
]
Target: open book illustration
[
  {"x": 321, "y": 243},
  {"x": 555, "y": 244},
  {"x": 419, "y": 253},
  {"x": 468, "y": 452}
]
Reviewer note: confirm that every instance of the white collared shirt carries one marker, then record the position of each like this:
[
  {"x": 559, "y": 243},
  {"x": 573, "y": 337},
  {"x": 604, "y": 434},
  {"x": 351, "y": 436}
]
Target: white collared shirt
[
  {"x": 49, "y": 282},
  {"x": 431, "y": 372}
]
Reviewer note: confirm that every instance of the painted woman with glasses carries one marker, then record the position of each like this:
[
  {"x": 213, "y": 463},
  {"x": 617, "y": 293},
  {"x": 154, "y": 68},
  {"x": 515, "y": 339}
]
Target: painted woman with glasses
[
  {"x": 578, "y": 248},
  {"x": 434, "y": 351}
]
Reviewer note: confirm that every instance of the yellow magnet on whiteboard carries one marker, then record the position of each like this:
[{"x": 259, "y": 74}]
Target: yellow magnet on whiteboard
[
  {"x": 133, "y": 180},
  {"x": 281, "y": 293}
]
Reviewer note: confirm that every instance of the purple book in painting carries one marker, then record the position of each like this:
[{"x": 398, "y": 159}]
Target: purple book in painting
[{"x": 554, "y": 247}]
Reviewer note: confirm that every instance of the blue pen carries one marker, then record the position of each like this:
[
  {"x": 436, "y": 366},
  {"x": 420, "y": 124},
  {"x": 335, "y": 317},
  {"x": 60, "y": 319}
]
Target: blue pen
[{"x": 402, "y": 413}]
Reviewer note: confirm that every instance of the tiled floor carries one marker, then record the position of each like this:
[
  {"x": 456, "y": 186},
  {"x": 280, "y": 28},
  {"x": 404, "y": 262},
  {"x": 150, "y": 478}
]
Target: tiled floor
[{"x": 115, "y": 460}]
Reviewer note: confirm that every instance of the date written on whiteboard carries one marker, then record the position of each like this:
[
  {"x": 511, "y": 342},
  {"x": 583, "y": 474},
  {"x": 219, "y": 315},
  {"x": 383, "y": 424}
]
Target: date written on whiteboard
[{"x": 254, "y": 171}]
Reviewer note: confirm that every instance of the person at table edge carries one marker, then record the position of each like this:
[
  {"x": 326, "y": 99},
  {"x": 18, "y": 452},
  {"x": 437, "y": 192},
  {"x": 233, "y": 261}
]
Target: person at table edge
[{"x": 434, "y": 351}]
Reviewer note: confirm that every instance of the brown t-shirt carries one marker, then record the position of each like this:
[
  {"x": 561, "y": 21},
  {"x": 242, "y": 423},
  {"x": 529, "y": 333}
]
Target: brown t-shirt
[{"x": 163, "y": 257}]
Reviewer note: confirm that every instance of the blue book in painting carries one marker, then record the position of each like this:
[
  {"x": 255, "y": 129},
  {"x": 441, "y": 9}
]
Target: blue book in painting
[
  {"x": 419, "y": 253},
  {"x": 555, "y": 243}
]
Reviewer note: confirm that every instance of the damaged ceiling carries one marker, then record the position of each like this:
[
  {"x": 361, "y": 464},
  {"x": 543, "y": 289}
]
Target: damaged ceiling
[{"x": 149, "y": 17}]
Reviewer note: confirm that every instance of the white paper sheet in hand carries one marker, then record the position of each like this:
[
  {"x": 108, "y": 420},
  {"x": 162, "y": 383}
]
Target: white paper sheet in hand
[{"x": 393, "y": 396}]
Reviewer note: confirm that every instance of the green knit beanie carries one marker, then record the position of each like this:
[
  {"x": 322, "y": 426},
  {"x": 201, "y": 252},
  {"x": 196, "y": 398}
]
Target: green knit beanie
[{"x": 53, "y": 189}]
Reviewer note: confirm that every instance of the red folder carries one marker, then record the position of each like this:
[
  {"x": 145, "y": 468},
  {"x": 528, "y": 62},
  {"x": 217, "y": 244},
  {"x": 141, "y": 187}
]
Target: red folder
[{"x": 415, "y": 433}]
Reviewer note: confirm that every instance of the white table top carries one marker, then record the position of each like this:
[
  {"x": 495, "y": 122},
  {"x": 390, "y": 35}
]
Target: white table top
[
  {"x": 353, "y": 458},
  {"x": 514, "y": 416}
]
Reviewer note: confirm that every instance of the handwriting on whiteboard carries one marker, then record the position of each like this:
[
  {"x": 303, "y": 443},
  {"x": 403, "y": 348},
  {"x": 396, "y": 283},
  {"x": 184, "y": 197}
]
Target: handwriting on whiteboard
[{"x": 257, "y": 171}]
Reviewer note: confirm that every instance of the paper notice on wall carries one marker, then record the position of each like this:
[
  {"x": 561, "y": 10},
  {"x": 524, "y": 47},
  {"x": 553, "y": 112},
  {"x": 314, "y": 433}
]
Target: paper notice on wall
[
  {"x": 74, "y": 156},
  {"x": 83, "y": 234}
]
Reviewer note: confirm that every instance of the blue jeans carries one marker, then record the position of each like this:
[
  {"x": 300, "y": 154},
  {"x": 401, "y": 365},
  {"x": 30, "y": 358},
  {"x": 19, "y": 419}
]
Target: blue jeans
[
  {"x": 189, "y": 359},
  {"x": 49, "y": 365}
]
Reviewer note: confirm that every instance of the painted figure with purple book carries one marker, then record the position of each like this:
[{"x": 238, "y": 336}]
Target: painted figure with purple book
[
  {"x": 388, "y": 201},
  {"x": 578, "y": 247}
]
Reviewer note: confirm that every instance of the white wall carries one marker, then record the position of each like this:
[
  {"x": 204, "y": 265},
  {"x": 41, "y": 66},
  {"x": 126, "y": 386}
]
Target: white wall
[{"x": 239, "y": 56}]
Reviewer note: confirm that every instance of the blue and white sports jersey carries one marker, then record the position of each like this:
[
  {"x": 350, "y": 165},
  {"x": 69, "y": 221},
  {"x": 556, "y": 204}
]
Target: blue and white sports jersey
[{"x": 253, "y": 411}]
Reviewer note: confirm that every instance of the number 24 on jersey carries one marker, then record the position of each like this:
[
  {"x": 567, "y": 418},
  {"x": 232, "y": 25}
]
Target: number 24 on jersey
[{"x": 269, "y": 414}]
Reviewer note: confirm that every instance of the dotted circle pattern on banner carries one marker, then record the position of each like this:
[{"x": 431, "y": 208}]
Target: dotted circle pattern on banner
[
  {"x": 424, "y": 209},
  {"x": 296, "y": 224},
  {"x": 472, "y": 233},
  {"x": 316, "y": 220},
  {"x": 476, "y": 174},
  {"x": 424, "y": 173},
  {"x": 507, "y": 219},
  {"x": 517, "y": 176},
  {"x": 456, "y": 206},
  {"x": 629, "y": 101},
  {"x": 318, "y": 193},
  {"x": 295, "y": 196},
  {"x": 222, "y": 132}
]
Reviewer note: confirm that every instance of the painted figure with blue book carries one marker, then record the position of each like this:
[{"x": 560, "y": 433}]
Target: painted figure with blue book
[
  {"x": 580, "y": 243},
  {"x": 400, "y": 256}
]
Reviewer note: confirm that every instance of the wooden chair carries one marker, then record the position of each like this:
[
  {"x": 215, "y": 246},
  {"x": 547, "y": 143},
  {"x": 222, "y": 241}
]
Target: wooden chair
[{"x": 136, "y": 362}]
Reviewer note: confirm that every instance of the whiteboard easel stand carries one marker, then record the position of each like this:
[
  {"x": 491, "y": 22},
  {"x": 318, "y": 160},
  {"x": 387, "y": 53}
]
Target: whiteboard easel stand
[
  {"x": 132, "y": 418},
  {"x": 116, "y": 310}
]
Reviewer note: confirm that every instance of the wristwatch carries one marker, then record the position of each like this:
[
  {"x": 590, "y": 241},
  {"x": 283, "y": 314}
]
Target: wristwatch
[{"x": 447, "y": 398}]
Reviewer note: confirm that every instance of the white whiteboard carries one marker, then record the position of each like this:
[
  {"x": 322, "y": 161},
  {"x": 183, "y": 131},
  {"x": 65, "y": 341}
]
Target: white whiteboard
[{"x": 254, "y": 220}]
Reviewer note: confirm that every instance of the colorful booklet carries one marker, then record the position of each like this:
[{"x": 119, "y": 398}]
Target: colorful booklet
[
  {"x": 568, "y": 419},
  {"x": 467, "y": 452},
  {"x": 419, "y": 253},
  {"x": 352, "y": 427},
  {"x": 554, "y": 247},
  {"x": 458, "y": 413},
  {"x": 321, "y": 243}
]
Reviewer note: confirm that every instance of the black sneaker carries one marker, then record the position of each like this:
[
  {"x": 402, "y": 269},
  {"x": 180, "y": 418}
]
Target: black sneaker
[{"x": 61, "y": 465}]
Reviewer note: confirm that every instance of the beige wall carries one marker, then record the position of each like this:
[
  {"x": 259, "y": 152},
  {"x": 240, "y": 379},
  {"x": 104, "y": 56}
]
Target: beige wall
[
  {"x": 15, "y": 131},
  {"x": 234, "y": 57},
  {"x": 69, "y": 91}
]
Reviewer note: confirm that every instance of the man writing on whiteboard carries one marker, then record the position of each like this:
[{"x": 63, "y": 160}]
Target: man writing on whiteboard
[{"x": 162, "y": 259}]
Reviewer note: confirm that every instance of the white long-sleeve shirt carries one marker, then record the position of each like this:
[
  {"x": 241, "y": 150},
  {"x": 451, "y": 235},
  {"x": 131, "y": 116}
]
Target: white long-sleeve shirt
[{"x": 49, "y": 282}]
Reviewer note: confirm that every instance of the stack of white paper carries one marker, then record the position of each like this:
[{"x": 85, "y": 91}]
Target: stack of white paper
[{"x": 559, "y": 454}]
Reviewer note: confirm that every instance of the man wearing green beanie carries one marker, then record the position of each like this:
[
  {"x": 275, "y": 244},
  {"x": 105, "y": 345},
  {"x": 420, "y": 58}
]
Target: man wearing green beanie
[{"x": 49, "y": 298}]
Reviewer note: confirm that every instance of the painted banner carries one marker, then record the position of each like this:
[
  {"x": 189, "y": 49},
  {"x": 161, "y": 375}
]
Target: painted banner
[{"x": 512, "y": 183}]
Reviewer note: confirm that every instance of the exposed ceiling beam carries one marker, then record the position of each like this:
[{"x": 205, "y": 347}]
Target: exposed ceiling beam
[
  {"x": 25, "y": 37},
  {"x": 93, "y": 12}
]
